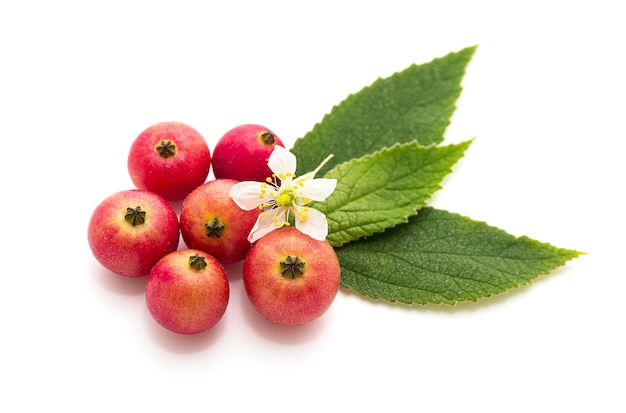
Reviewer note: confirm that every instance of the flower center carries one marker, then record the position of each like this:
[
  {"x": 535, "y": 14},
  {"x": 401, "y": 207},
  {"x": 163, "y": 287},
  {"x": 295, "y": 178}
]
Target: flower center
[{"x": 285, "y": 198}]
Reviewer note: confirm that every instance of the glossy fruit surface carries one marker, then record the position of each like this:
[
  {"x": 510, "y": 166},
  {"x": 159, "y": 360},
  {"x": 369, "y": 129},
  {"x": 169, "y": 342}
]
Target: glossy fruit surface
[
  {"x": 170, "y": 159},
  {"x": 210, "y": 221},
  {"x": 131, "y": 230},
  {"x": 187, "y": 291},
  {"x": 242, "y": 153},
  {"x": 291, "y": 278}
]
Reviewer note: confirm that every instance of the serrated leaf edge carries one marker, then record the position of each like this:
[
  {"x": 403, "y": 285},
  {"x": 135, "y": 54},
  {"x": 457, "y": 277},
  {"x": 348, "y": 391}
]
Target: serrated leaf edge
[
  {"x": 339, "y": 106},
  {"x": 575, "y": 254},
  {"x": 417, "y": 207}
]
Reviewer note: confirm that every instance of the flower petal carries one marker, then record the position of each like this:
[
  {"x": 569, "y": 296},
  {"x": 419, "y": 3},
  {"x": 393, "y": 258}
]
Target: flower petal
[
  {"x": 264, "y": 225},
  {"x": 318, "y": 189},
  {"x": 246, "y": 194},
  {"x": 281, "y": 161},
  {"x": 315, "y": 225}
]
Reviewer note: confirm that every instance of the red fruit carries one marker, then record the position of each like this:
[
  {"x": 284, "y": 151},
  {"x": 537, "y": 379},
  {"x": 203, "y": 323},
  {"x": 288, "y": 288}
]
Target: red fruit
[
  {"x": 169, "y": 159},
  {"x": 131, "y": 230},
  {"x": 242, "y": 153},
  {"x": 290, "y": 277},
  {"x": 210, "y": 221},
  {"x": 187, "y": 291}
]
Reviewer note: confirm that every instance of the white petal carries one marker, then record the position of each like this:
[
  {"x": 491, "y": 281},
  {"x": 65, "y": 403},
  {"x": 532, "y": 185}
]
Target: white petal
[
  {"x": 318, "y": 189},
  {"x": 264, "y": 225},
  {"x": 246, "y": 194},
  {"x": 315, "y": 225},
  {"x": 281, "y": 161}
]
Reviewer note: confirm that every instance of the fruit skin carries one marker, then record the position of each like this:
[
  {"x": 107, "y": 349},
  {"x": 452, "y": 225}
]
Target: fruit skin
[
  {"x": 242, "y": 153},
  {"x": 207, "y": 202},
  {"x": 281, "y": 298},
  {"x": 171, "y": 177},
  {"x": 132, "y": 250},
  {"x": 184, "y": 299}
]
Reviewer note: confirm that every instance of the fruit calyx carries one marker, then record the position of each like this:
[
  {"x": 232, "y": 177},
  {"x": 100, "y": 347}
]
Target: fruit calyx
[
  {"x": 197, "y": 262},
  {"x": 135, "y": 216},
  {"x": 267, "y": 138},
  {"x": 214, "y": 228},
  {"x": 292, "y": 266},
  {"x": 166, "y": 149}
]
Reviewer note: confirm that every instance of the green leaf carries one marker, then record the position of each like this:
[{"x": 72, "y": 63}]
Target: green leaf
[
  {"x": 441, "y": 257},
  {"x": 414, "y": 104},
  {"x": 383, "y": 189}
]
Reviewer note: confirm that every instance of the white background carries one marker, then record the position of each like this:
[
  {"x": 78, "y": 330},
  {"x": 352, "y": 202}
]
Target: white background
[{"x": 543, "y": 95}]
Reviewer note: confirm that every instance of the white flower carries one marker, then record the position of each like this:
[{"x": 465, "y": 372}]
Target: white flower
[{"x": 284, "y": 195}]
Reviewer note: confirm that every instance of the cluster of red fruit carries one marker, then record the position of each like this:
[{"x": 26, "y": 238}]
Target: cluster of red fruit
[{"x": 289, "y": 277}]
